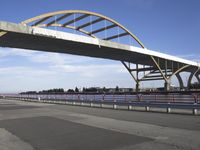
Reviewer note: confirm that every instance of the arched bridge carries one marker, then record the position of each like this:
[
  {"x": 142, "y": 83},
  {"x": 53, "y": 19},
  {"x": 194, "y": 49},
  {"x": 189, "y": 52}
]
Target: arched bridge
[{"x": 91, "y": 34}]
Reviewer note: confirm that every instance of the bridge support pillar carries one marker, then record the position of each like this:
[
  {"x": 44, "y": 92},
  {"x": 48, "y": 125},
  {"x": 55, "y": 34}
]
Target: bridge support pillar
[
  {"x": 198, "y": 78},
  {"x": 167, "y": 86},
  {"x": 180, "y": 80},
  {"x": 190, "y": 80},
  {"x": 192, "y": 74},
  {"x": 137, "y": 88},
  {"x": 135, "y": 76}
]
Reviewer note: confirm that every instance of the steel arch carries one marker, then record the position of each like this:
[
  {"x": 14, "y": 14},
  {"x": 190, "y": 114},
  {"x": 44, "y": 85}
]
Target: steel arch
[{"x": 39, "y": 20}]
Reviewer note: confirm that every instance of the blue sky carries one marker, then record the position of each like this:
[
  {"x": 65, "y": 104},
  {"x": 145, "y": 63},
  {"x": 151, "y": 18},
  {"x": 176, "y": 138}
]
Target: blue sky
[{"x": 169, "y": 26}]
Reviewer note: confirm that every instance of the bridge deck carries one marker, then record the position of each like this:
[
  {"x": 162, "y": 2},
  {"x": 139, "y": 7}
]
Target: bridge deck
[{"x": 20, "y": 36}]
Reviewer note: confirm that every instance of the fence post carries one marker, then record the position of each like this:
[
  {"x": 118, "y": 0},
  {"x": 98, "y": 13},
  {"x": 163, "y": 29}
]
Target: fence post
[
  {"x": 39, "y": 98},
  {"x": 81, "y": 99},
  {"x": 129, "y": 106},
  {"x": 114, "y": 104},
  {"x": 66, "y": 100},
  {"x": 195, "y": 98},
  {"x": 101, "y": 105},
  {"x": 147, "y": 108},
  {"x": 91, "y": 103},
  {"x": 195, "y": 109},
  {"x": 168, "y": 108}
]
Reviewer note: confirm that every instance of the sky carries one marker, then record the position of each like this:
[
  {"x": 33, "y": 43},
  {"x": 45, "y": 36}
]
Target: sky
[{"x": 168, "y": 26}]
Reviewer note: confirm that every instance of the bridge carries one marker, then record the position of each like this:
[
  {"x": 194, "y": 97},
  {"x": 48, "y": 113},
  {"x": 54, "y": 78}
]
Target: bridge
[{"x": 96, "y": 35}]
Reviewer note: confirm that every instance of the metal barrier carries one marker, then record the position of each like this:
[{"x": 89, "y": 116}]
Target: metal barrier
[
  {"x": 168, "y": 102},
  {"x": 193, "y": 98}
]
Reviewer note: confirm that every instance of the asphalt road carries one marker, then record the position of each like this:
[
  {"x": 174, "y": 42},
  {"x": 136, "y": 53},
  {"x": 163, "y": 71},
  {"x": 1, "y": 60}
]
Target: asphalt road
[{"x": 38, "y": 126}]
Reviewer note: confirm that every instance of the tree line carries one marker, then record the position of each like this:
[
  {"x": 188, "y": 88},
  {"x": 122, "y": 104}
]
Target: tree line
[{"x": 75, "y": 90}]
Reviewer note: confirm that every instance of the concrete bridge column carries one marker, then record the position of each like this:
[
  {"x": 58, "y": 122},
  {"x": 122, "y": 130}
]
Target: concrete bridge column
[
  {"x": 137, "y": 79},
  {"x": 192, "y": 74},
  {"x": 190, "y": 79},
  {"x": 198, "y": 78},
  {"x": 137, "y": 88},
  {"x": 180, "y": 80},
  {"x": 167, "y": 85}
]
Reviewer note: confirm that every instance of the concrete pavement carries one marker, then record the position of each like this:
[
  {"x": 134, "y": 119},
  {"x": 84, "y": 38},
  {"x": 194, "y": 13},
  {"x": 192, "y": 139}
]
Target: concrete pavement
[{"x": 35, "y": 126}]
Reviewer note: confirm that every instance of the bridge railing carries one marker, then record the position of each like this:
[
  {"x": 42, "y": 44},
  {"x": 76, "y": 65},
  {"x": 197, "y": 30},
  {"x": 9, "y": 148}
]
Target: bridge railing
[
  {"x": 169, "y": 98},
  {"x": 151, "y": 101}
]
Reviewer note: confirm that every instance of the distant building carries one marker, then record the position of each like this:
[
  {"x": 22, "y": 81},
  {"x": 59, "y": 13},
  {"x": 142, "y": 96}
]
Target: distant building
[{"x": 112, "y": 90}]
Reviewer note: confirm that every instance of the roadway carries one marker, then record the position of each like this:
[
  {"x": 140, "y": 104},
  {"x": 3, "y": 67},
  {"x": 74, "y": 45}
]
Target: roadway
[
  {"x": 34, "y": 38},
  {"x": 39, "y": 126}
]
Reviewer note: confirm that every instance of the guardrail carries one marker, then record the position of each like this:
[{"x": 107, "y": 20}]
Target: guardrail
[
  {"x": 182, "y": 98},
  {"x": 148, "y": 102}
]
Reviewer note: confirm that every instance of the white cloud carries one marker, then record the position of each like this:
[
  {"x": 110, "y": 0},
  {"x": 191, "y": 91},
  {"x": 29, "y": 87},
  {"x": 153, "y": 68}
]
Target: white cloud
[
  {"x": 58, "y": 70},
  {"x": 58, "y": 59},
  {"x": 44, "y": 57},
  {"x": 51, "y": 58},
  {"x": 24, "y": 71},
  {"x": 66, "y": 63},
  {"x": 91, "y": 70},
  {"x": 7, "y": 52}
]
